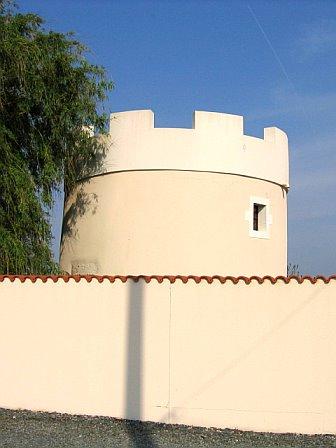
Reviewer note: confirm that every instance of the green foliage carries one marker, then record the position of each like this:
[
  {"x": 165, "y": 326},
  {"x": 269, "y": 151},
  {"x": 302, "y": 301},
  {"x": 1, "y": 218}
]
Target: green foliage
[{"x": 48, "y": 93}]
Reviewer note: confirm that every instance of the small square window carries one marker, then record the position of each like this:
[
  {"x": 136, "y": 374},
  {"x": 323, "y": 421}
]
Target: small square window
[{"x": 259, "y": 217}]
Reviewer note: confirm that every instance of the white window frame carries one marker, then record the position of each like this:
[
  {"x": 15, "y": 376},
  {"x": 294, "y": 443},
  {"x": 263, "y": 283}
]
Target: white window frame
[{"x": 265, "y": 233}]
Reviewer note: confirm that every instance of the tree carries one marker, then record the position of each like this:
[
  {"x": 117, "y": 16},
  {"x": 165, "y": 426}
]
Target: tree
[{"x": 49, "y": 95}]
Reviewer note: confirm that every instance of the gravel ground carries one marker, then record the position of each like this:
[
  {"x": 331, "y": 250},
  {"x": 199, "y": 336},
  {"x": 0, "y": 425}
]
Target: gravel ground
[{"x": 23, "y": 429}]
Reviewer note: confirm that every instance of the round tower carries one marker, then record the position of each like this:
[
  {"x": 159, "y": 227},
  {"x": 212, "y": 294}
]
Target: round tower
[{"x": 201, "y": 201}]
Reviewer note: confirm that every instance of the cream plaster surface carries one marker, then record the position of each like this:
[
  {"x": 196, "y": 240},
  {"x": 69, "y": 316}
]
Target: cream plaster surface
[
  {"x": 173, "y": 222},
  {"x": 180, "y": 201},
  {"x": 215, "y": 143},
  {"x": 255, "y": 357}
]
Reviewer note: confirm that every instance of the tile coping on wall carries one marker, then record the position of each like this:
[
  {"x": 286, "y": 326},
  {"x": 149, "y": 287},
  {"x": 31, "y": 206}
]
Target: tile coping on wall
[{"x": 170, "y": 278}]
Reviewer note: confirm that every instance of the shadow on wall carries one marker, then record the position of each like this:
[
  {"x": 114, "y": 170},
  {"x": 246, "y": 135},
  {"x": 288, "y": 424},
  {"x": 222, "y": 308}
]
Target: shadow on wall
[
  {"x": 134, "y": 368},
  {"x": 77, "y": 202},
  {"x": 82, "y": 203}
]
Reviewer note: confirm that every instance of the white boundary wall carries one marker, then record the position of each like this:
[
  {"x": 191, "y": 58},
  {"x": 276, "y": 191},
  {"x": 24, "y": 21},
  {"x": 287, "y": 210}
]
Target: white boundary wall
[{"x": 251, "y": 356}]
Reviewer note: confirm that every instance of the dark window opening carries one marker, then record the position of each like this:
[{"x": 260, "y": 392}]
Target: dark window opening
[
  {"x": 259, "y": 217},
  {"x": 255, "y": 217}
]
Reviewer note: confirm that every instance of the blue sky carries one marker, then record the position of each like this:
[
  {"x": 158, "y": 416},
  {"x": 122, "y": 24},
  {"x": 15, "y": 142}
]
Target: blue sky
[{"x": 272, "y": 61}]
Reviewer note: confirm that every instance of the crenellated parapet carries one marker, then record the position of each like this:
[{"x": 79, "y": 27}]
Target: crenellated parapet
[
  {"x": 215, "y": 143},
  {"x": 203, "y": 200}
]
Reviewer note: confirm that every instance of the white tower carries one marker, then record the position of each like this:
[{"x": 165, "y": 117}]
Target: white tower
[{"x": 202, "y": 201}]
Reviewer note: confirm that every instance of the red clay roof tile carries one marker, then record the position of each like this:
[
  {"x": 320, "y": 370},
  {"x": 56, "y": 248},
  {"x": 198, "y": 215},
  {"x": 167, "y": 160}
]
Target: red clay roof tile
[{"x": 170, "y": 278}]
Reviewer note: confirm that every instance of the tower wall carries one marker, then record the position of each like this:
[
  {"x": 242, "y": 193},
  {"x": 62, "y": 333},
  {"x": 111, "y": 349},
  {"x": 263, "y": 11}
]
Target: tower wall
[{"x": 180, "y": 201}]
